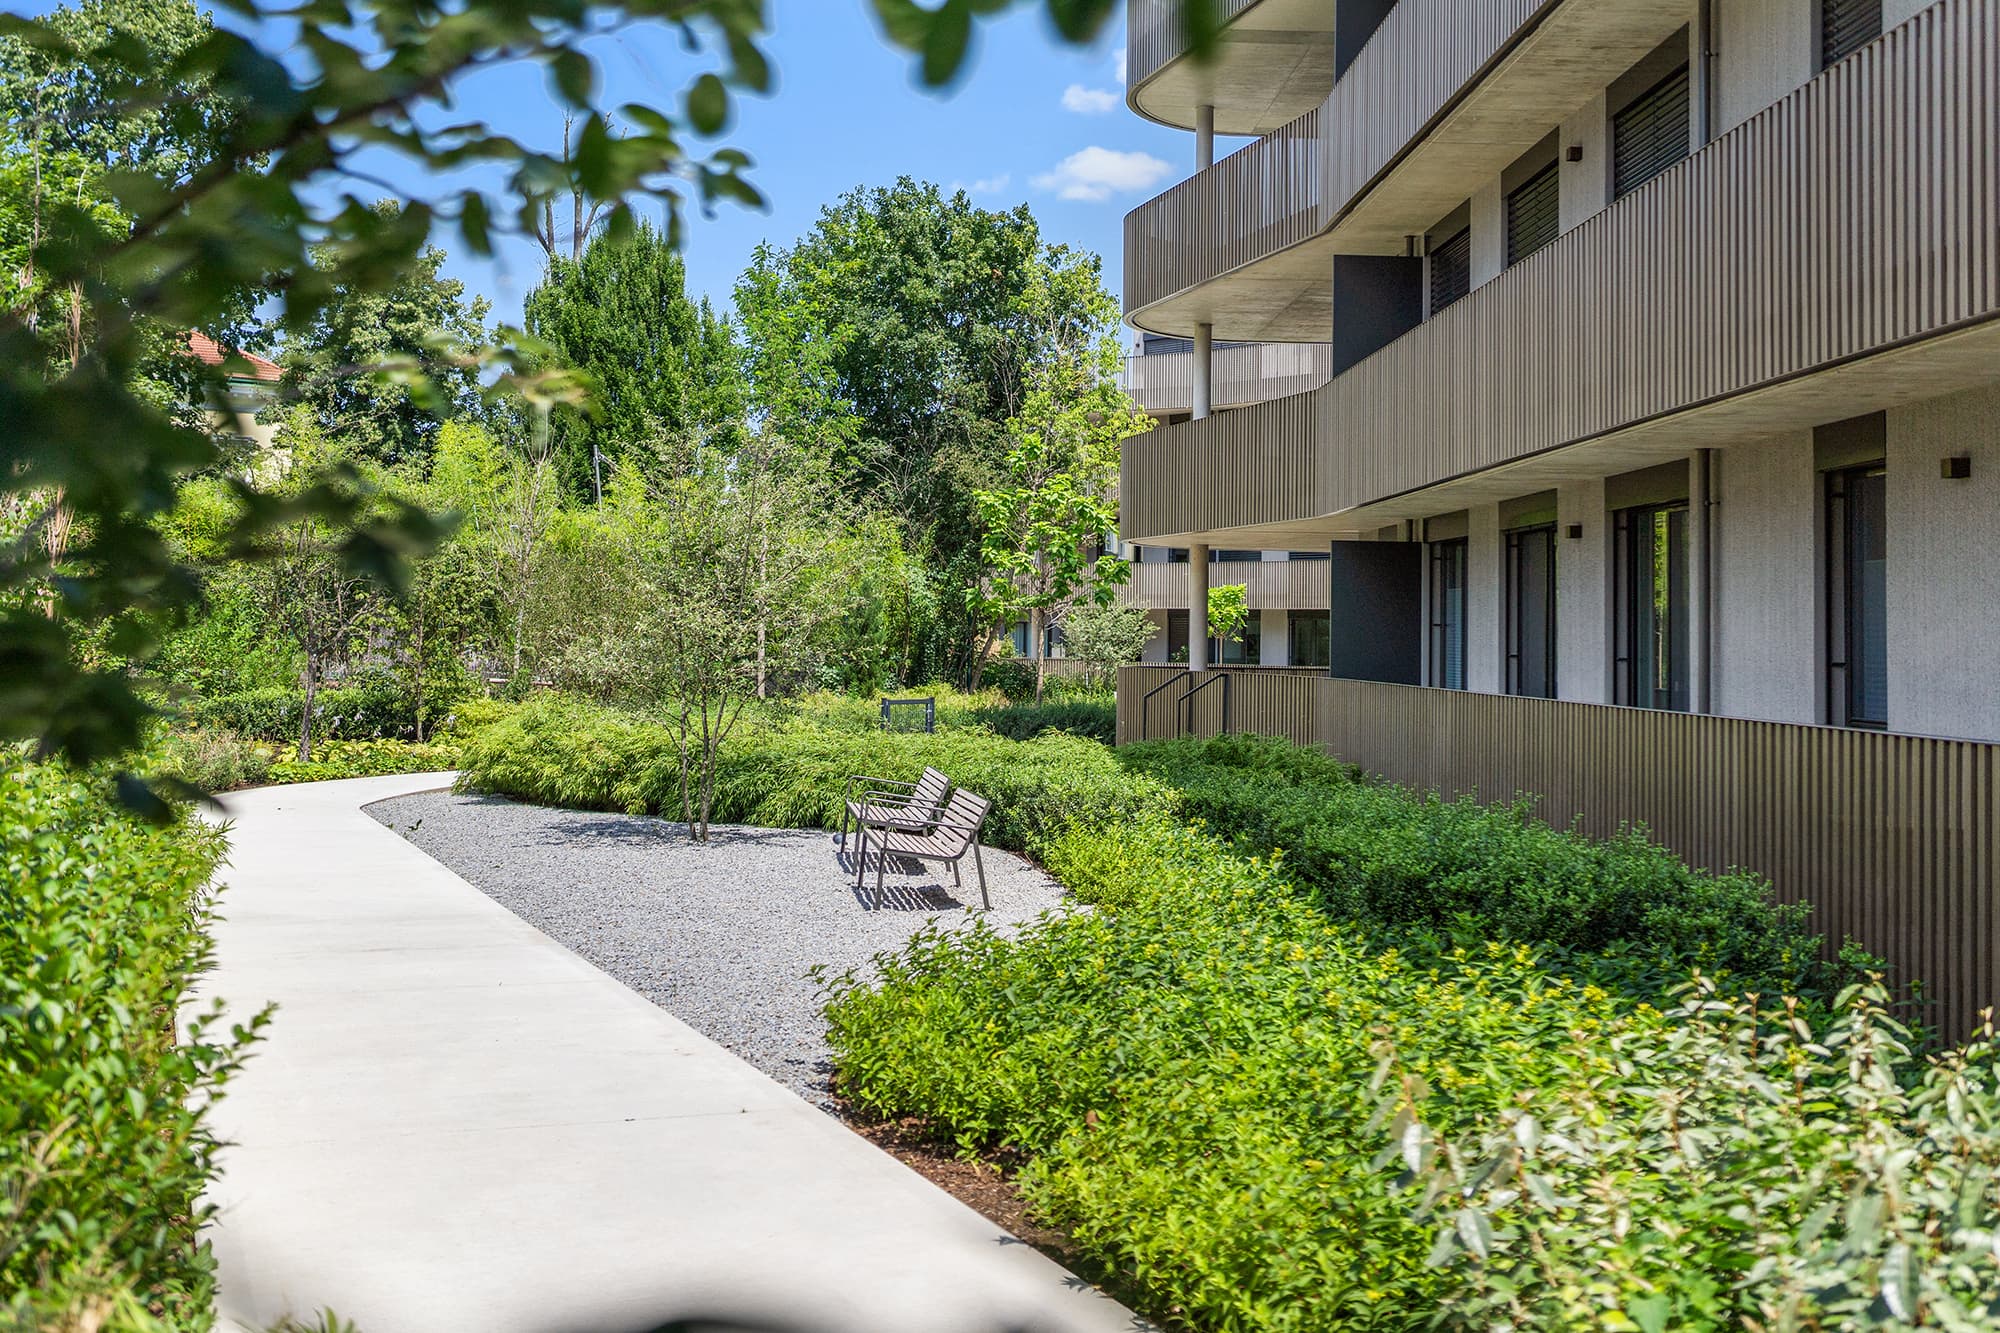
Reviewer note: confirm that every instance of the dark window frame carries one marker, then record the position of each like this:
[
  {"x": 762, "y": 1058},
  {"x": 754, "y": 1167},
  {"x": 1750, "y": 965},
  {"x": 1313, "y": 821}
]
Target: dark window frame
[
  {"x": 1627, "y": 526},
  {"x": 1450, "y": 259},
  {"x": 1516, "y": 538},
  {"x": 1626, "y": 119},
  {"x": 1845, "y": 706},
  {"x": 1292, "y": 619},
  {"x": 1445, "y": 558},
  {"x": 1845, "y": 26}
]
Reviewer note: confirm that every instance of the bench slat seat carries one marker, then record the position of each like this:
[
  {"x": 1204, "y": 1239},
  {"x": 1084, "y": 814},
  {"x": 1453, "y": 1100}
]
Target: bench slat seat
[{"x": 907, "y": 807}]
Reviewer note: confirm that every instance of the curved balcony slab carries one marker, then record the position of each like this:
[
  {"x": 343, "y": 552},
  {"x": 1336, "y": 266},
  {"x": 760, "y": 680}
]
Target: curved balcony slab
[
  {"x": 1275, "y": 62},
  {"x": 1447, "y": 93},
  {"x": 1163, "y": 383},
  {"x": 1831, "y": 256}
]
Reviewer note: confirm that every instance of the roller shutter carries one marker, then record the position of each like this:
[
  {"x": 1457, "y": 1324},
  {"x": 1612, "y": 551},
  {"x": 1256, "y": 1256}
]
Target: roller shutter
[
  {"x": 1651, "y": 133},
  {"x": 1534, "y": 215},
  {"x": 1451, "y": 270},
  {"x": 1845, "y": 26}
]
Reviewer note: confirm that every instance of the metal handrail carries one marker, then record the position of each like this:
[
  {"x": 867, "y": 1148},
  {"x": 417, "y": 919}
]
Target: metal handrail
[
  {"x": 1190, "y": 688},
  {"x": 1187, "y": 699}
]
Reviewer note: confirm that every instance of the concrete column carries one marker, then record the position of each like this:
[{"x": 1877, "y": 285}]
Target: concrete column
[
  {"x": 1489, "y": 233},
  {"x": 1198, "y": 607},
  {"x": 1277, "y": 640},
  {"x": 1701, "y": 95},
  {"x": 1204, "y": 137},
  {"x": 1485, "y": 653},
  {"x": 1204, "y": 369},
  {"x": 1700, "y": 562},
  {"x": 1583, "y": 593}
]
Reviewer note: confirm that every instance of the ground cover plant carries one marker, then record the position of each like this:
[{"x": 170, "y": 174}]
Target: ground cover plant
[{"x": 103, "y": 1151}]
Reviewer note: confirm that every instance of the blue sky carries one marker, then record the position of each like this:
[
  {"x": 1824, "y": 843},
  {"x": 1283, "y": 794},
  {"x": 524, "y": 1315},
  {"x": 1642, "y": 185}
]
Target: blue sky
[{"x": 1034, "y": 121}]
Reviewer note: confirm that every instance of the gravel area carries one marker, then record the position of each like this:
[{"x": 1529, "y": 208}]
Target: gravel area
[{"x": 720, "y": 935}]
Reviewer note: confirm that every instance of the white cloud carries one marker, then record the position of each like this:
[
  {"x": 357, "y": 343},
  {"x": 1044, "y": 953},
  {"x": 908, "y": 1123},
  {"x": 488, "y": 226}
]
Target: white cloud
[
  {"x": 991, "y": 184},
  {"x": 1088, "y": 101},
  {"x": 1095, "y": 174},
  {"x": 1118, "y": 64}
]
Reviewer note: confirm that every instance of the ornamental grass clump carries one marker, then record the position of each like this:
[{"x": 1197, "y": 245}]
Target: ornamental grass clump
[{"x": 103, "y": 1149}]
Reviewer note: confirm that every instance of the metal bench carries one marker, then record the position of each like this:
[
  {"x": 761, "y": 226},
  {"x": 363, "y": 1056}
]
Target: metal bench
[
  {"x": 954, "y": 834},
  {"x": 907, "y": 807}
]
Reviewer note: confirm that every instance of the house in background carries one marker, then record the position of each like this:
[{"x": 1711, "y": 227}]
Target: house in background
[
  {"x": 249, "y": 387},
  {"x": 1658, "y": 459}
]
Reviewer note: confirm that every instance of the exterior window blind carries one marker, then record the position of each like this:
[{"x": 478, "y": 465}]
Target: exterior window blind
[
  {"x": 1650, "y": 134},
  {"x": 1534, "y": 214},
  {"x": 1845, "y": 26},
  {"x": 1451, "y": 270}
]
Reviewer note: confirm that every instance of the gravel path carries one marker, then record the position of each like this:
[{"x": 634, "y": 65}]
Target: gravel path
[{"x": 719, "y": 935}]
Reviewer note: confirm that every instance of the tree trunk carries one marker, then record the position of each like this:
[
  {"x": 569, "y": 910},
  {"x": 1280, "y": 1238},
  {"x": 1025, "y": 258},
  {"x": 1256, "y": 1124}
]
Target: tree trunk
[
  {"x": 979, "y": 657},
  {"x": 1038, "y": 635},
  {"x": 306, "y": 713}
]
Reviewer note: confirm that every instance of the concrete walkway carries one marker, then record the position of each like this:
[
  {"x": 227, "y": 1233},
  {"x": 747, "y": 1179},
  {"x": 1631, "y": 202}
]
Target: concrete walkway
[{"x": 454, "y": 1123}]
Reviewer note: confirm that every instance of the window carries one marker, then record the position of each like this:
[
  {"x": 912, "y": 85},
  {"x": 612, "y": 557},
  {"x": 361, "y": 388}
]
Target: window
[
  {"x": 1235, "y": 557},
  {"x": 1845, "y": 26},
  {"x": 1309, "y": 555},
  {"x": 1531, "y": 612},
  {"x": 1177, "y": 636},
  {"x": 1650, "y": 134},
  {"x": 1451, "y": 269},
  {"x": 1652, "y": 615},
  {"x": 1311, "y": 636},
  {"x": 1244, "y": 648},
  {"x": 1857, "y": 602},
  {"x": 1534, "y": 214},
  {"x": 1447, "y": 598},
  {"x": 1177, "y": 555}
]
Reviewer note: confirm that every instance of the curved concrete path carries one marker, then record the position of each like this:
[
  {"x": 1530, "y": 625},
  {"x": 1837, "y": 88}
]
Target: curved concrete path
[{"x": 453, "y": 1123}]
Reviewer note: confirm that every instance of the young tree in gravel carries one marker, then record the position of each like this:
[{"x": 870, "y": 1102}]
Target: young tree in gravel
[{"x": 1106, "y": 637}]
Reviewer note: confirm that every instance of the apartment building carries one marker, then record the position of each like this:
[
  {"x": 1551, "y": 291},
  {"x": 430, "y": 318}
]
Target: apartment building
[
  {"x": 1658, "y": 462},
  {"x": 1289, "y": 623}
]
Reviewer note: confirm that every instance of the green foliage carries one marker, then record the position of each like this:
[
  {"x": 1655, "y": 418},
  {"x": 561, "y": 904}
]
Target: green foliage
[
  {"x": 1228, "y": 610},
  {"x": 900, "y": 337},
  {"x": 1743, "y": 1171},
  {"x": 1105, "y": 638},
  {"x": 778, "y": 774},
  {"x": 1190, "y": 1072},
  {"x": 365, "y": 709},
  {"x": 1096, "y": 719},
  {"x": 660, "y": 366},
  {"x": 212, "y": 759},
  {"x": 1377, "y": 853},
  {"x": 103, "y": 1149}
]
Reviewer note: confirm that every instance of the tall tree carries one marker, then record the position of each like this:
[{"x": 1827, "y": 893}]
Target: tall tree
[
  {"x": 279, "y": 179},
  {"x": 662, "y": 367},
  {"x": 899, "y": 337},
  {"x": 386, "y": 367}
]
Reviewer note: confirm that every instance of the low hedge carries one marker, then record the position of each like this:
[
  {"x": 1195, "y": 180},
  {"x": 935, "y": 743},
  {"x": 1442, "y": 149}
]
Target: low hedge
[
  {"x": 361, "y": 711},
  {"x": 1270, "y": 1122},
  {"x": 558, "y": 750},
  {"x": 103, "y": 1150},
  {"x": 1383, "y": 855}
]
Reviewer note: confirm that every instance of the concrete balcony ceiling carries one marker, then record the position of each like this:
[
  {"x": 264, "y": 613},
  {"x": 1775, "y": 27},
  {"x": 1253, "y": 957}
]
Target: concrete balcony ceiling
[
  {"x": 1860, "y": 274},
  {"x": 1445, "y": 96},
  {"x": 1274, "y": 62}
]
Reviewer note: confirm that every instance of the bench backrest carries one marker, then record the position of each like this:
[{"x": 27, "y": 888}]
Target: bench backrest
[
  {"x": 931, "y": 788},
  {"x": 965, "y": 813}
]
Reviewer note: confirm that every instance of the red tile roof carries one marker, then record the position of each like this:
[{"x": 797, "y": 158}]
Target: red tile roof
[{"x": 211, "y": 353}]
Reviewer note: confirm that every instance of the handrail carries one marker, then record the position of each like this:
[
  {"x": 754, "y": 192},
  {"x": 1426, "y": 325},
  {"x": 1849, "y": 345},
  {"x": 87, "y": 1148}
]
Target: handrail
[
  {"x": 1190, "y": 688},
  {"x": 1187, "y": 699}
]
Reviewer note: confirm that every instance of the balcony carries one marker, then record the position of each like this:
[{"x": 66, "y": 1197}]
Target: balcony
[
  {"x": 1832, "y": 256},
  {"x": 1163, "y": 383},
  {"x": 1446, "y": 92},
  {"x": 1269, "y": 585},
  {"x": 1276, "y": 61},
  {"x": 1893, "y": 839}
]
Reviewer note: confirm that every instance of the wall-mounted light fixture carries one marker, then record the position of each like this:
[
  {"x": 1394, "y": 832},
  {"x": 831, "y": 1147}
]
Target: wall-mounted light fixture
[
  {"x": 1574, "y": 532},
  {"x": 1575, "y": 152},
  {"x": 1956, "y": 468}
]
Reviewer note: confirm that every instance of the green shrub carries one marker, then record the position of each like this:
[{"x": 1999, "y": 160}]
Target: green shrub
[
  {"x": 1381, "y": 854},
  {"x": 1743, "y": 1171},
  {"x": 559, "y": 751},
  {"x": 212, "y": 760},
  {"x": 368, "y": 759},
  {"x": 102, "y": 1146},
  {"x": 1094, "y": 719},
  {"x": 363, "y": 710},
  {"x": 1192, "y": 1074}
]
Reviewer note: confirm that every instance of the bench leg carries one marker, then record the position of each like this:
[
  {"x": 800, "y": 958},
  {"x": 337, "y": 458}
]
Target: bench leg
[
  {"x": 980, "y": 866},
  {"x": 860, "y": 853},
  {"x": 843, "y": 826},
  {"x": 881, "y": 866}
]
